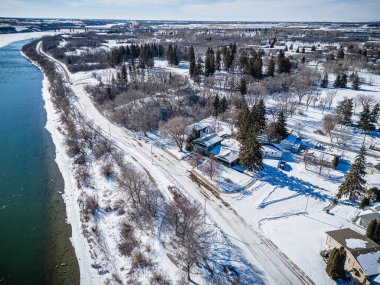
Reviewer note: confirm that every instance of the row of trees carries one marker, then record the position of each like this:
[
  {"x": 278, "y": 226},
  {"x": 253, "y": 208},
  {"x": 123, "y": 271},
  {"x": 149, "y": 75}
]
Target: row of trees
[
  {"x": 132, "y": 52},
  {"x": 367, "y": 120},
  {"x": 249, "y": 61}
]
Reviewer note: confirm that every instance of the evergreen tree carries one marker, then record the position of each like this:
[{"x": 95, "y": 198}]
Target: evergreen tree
[
  {"x": 258, "y": 115},
  {"x": 343, "y": 82},
  {"x": 344, "y": 111},
  {"x": 192, "y": 64},
  {"x": 336, "y": 269},
  {"x": 216, "y": 106},
  {"x": 303, "y": 60},
  {"x": 371, "y": 230},
  {"x": 333, "y": 252},
  {"x": 218, "y": 60},
  {"x": 337, "y": 82},
  {"x": 281, "y": 129},
  {"x": 243, "y": 123},
  {"x": 355, "y": 82},
  {"x": 354, "y": 183},
  {"x": 109, "y": 94},
  {"x": 325, "y": 80},
  {"x": 283, "y": 63},
  {"x": 375, "y": 114},
  {"x": 313, "y": 48},
  {"x": 298, "y": 50},
  {"x": 271, "y": 67},
  {"x": 209, "y": 62},
  {"x": 123, "y": 74},
  {"x": 303, "y": 50},
  {"x": 243, "y": 86},
  {"x": 251, "y": 154},
  {"x": 365, "y": 122},
  {"x": 223, "y": 105},
  {"x": 340, "y": 54}
]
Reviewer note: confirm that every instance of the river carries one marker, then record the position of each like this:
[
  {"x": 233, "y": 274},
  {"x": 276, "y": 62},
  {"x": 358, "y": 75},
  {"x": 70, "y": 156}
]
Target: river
[{"x": 34, "y": 238}]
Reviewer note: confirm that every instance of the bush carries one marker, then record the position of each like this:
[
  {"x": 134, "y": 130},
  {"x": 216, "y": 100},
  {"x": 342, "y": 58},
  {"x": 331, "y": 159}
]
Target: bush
[
  {"x": 158, "y": 279},
  {"x": 129, "y": 242},
  {"x": 364, "y": 203},
  {"x": 335, "y": 162},
  {"x": 108, "y": 171},
  {"x": 91, "y": 205},
  {"x": 139, "y": 261}
]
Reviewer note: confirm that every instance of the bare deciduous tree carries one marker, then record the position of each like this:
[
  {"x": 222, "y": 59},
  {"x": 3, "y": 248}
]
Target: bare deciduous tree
[
  {"x": 211, "y": 167},
  {"x": 194, "y": 238},
  {"x": 330, "y": 95},
  {"x": 329, "y": 123},
  {"x": 175, "y": 128}
]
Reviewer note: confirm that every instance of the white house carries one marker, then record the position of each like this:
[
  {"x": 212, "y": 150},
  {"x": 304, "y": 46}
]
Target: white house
[
  {"x": 291, "y": 142},
  {"x": 270, "y": 151},
  {"x": 373, "y": 180},
  {"x": 200, "y": 128}
]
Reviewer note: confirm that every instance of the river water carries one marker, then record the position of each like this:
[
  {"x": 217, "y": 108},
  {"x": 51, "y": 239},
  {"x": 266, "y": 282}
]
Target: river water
[{"x": 34, "y": 238}]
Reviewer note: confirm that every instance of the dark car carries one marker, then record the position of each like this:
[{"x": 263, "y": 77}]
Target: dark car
[{"x": 282, "y": 165}]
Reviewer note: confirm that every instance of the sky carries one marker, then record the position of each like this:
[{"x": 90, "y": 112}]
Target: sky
[{"x": 209, "y": 10}]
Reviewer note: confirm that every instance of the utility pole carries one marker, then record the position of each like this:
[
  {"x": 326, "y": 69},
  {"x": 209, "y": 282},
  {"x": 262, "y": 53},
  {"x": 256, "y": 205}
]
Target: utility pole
[
  {"x": 151, "y": 152},
  {"x": 307, "y": 202},
  {"x": 205, "y": 211}
]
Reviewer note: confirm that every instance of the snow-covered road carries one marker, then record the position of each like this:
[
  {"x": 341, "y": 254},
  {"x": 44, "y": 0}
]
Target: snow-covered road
[{"x": 271, "y": 265}]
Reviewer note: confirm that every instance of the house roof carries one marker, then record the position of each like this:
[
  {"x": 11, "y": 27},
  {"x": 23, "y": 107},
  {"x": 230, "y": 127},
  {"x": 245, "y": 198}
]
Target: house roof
[
  {"x": 291, "y": 138},
  {"x": 224, "y": 153},
  {"x": 354, "y": 242},
  {"x": 319, "y": 154},
  {"x": 370, "y": 262},
  {"x": 373, "y": 179},
  {"x": 208, "y": 140},
  {"x": 197, "y": 126},
  {"x": 270, "y": 148}
]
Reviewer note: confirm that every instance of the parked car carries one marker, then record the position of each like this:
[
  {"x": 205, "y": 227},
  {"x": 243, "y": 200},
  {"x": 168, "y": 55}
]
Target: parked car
[{"x": 282, "y": 165}]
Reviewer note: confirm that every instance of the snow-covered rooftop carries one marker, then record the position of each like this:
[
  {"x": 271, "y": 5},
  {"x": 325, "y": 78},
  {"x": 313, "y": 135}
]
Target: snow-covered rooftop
[
  {"x": 370, "y": 262},
  {"x": 356, "y": 243},
  {"x": 319, "y": 154}
]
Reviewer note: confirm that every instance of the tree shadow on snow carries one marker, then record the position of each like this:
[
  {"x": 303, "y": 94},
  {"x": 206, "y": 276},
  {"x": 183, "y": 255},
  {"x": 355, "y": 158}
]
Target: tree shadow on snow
[{"x": 275, "y": 177}]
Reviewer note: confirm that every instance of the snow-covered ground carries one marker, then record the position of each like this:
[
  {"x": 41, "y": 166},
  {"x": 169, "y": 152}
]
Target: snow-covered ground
[
  {"x": 6, "y": 39},
  {"x": 287, "y": 207},
  {"x": 267, "y": 265}
]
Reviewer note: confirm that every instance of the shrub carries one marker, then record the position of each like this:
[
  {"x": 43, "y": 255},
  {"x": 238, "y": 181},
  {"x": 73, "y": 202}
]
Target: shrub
[
  {"x": 364, "y": 203},
  {"x": 108, "y": 171},
  {"x": 158, "y": 279},
  {"x": 139, "y": 261},
  {"x": 335, "y": 162},
  {"x": 91, "y": 205}
]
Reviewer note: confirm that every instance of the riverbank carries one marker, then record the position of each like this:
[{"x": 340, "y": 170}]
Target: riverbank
[
  {"x": 68, "y": 269},
  {"x": 88, "y": 275}
]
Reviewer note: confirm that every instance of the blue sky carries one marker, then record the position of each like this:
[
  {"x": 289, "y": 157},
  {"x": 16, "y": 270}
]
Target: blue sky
[{"x": 234, "y": 10}]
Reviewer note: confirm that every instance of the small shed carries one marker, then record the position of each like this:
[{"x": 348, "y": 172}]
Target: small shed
[{"x": 319, "y": 157}]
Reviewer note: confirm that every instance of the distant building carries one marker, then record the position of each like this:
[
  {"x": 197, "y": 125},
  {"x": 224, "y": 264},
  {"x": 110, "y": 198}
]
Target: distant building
[
  {"x": 135, "y": 24},
  {"x": 362, "y": 254},
  {"x": 319, "y": 157}
]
